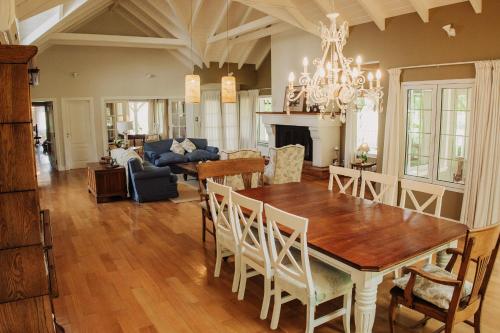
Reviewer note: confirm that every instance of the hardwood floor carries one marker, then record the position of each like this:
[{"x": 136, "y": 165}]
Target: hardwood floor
[{"x": 127, "y": 267}]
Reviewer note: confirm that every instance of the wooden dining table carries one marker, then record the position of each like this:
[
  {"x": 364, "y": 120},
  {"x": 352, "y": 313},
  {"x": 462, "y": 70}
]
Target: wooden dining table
[{"x": 361, "y": 237}]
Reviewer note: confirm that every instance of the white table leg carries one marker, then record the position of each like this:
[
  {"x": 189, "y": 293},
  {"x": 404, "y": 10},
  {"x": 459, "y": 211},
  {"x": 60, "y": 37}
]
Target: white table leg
[
  {"x": 365, "y": 300},
  {"x": 442, "y": 258}
]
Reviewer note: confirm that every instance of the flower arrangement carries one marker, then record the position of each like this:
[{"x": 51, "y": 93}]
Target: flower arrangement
[{"x": 362, "y": 152}]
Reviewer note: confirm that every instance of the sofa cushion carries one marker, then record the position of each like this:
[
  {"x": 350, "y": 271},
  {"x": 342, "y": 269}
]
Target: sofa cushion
[
  {"x": 201, "y": 155},
  {"x": 135, "y": 165},
  {"x": 158, "y": 147},
  {"x": 151, "y": 156},
  {"x": 170, "y": 158},
  {"x": 199, "y": 143},
  {"x": 188, "y": 145},
  {"x": 177, "y": 148}
]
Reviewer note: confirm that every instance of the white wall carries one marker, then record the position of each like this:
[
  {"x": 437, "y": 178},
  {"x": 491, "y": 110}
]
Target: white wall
[
  {"x": 105, "y": 72},
  {"x": 287, "y": 51}
]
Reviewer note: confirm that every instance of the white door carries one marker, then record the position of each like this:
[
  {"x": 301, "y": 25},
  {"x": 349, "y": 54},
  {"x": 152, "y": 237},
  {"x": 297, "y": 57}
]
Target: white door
[{"x": 79, "y": 141}]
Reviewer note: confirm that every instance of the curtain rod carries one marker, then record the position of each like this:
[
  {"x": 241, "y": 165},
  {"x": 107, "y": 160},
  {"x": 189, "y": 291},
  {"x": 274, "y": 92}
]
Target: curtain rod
[{"x": 437, "y": 65}]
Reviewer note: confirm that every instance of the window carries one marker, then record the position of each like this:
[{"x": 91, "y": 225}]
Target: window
[
  {"x": 265, "y": 105},
  {"x": 177, "y": 119},
  {"x": 367, "y": 125},
  {"x": 139, "y": 114},
  {"x": 437, "y": 132},
  {"x": 230, "y": 126}
]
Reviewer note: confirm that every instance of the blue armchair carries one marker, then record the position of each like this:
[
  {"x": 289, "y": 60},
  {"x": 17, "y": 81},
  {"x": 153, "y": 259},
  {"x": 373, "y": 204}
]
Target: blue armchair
[{"x": 150, "y": 183}]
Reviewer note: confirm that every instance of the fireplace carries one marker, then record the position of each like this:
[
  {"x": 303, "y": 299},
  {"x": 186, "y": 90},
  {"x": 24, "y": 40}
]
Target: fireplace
[{"x": 291, "y": 135}]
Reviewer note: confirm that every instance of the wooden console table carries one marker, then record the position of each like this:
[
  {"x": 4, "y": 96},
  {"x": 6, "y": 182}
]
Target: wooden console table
[{"x": 106, "y": 183}]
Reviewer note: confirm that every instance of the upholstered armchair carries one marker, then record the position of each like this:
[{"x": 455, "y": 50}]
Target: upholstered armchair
[
  {"x": 285, "y": 165},
  {"x": 236, "y": 182},
  {"x": 150, "y": 183}
]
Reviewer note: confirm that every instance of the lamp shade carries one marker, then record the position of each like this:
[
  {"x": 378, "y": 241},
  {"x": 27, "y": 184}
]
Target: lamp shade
[
  {"x": 124, "y": 126},
  {"x": 228, "y": 89},
  {"x": 192, "y": 89}
]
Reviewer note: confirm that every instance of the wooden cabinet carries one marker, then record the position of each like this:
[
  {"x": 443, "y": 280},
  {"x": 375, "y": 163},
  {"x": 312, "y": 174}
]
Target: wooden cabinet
[
  {"x": 105, "y": 183},
  {"x": 27, "y": 274}
]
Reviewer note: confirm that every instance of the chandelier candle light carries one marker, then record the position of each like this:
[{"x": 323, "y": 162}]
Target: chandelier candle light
[{"x": 335, "y": 84}]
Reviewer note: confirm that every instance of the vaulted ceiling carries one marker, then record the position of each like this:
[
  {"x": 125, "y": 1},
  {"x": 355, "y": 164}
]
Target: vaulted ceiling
[{"x": 166, "y": 24}]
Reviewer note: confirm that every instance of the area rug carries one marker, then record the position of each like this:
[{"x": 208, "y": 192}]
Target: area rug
[{"x": 188, "y": 191}]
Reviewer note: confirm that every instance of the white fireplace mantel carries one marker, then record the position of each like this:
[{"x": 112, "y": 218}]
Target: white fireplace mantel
[{"x": 325, "y": 133}]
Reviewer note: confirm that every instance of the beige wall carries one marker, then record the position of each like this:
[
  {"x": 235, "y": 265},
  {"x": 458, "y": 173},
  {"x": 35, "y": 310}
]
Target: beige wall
[{"x": 406, "y": 41}]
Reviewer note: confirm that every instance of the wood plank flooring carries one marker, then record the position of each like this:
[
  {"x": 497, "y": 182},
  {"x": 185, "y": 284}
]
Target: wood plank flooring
[{"x": 127, "y": 267}]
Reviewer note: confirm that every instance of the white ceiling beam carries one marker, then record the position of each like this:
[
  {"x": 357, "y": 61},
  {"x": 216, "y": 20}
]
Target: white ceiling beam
[
  {"x": 326, "y": 8},
  {"x": 115, "y": 41},
  {"x": 280, "y": 12},
  {"x": 162, "y": 12},
  {"x": 245, "y": 16},
  {"x": 244, "y": 56},
  {"x": 196, "y": 9},
  {"x": 186, "y": 52},
  {"x": 264, "y": 51},
  {"x": 28, "y": 8},
  {"x": 135, "y": 22},
  {"x": 272, "y": 30},
  {"x": 477, "y": 5},
  {"x": 216, "y": 23},
  {"x": 178, "y": 13},
  {"x": 143, "y": 16},
  {"x": 303, "y": 21},
  {"x": 225, "y": 55},
  {"x": 182, "y": 59},
  {"x": 422, "y": 9},
  {"x": 374, "y": 9},
  {"x": 242, "y": 29}
]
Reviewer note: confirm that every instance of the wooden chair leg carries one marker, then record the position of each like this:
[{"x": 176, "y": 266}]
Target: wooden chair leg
[
  {"x": 477, "y": 320},
  {"x": 204, "y": 225},
  {"x": 392, "y": 314}
]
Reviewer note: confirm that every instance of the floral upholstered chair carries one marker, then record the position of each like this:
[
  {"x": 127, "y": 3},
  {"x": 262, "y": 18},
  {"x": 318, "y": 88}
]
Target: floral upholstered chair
[
  {"x": 236, "y": 182},
  {"x": 285, "y": 165}
]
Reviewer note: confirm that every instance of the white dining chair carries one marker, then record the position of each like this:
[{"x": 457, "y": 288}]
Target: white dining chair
[
  {"x": 254, "y": 253},
  {"x": 388, "y": 186},
  {"x": 436, "y": 193},
  {"x": 352, "y": 174},
  {"x": 226, "y": 234},
  {"x": 307, "y": 280}
]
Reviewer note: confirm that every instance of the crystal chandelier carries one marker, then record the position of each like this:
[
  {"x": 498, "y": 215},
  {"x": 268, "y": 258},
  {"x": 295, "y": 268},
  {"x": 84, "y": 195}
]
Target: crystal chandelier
[{"x": 335, "y": 84}]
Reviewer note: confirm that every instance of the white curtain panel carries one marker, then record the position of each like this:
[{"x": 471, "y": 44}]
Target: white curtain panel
[
  {"x": 351, "y": 133},
  {"x": 249, "y": 106},
  {"x": 482, "y": 188},
  {"x": 7, "y": 14},
  {"x": 230, "y": 122},
  {"x": 211, "y": 118},
  {"x": 394, "y": 127}
]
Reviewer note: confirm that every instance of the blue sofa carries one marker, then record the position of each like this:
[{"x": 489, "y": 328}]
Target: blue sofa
[
  {"x": 159, "y": 154},
  {"x": 150, "y": 183}
]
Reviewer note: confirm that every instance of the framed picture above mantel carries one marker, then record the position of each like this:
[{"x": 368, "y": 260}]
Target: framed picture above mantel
[{"x": 300, "y": 105}]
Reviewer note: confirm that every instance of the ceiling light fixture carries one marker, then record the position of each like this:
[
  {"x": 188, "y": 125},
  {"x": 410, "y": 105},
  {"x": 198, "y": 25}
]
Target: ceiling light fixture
[
  {"x": 335, "y": 85},
  {"x": 192, "y": 81},
  {"x": 228, "y": 83}
]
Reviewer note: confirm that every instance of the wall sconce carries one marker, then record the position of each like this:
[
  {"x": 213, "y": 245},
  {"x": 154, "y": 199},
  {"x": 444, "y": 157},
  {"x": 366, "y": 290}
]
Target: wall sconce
[{"x": 34, "y": 75}]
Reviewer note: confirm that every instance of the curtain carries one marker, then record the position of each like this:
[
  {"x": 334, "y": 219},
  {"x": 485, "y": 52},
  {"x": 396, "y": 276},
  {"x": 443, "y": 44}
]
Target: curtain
[
  {"x": 394, "y": 127},
  {"x": 230, "y": 126},
  {"x": 482, "y": 186},
  {"x": 249, "y": 106},
  {"x": 211, "y": 118},
  {"x": 161, "y": 118},
  {"x": 351, "y": 126}
]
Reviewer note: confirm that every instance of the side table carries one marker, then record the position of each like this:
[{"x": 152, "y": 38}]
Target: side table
[{"x": 106, "y": 183}]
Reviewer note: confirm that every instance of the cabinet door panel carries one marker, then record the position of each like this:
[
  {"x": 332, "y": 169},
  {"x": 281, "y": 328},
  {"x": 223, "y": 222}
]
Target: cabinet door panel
[{"x": 15, "y": 104}]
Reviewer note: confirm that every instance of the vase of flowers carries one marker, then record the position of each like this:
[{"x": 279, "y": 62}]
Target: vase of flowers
[{"x": 363, "y": 150}]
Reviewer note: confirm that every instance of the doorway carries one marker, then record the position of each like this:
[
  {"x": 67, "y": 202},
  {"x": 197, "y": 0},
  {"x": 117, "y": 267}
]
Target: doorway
[
  {"x": 44, "y": 135},
  {"x": 79, "y": 132}
]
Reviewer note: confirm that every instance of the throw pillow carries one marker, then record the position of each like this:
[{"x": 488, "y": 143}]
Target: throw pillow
[
  {"x": 188, "y": 145},
  {"x": 177, "y": 148}
]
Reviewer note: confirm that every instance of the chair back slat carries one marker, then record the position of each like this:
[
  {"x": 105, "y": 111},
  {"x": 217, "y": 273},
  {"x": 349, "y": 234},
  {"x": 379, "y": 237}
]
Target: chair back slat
[
  {"x": 388, "y": 186},
  {"x": 248, "y": 212},
  {"x": 220, "y": 202},
  {"x": 481, "y": 247},
  {"x": 436, "y": 193},
  {"x": 352, "y": 174},
  {"x": 284, "y": 263}
]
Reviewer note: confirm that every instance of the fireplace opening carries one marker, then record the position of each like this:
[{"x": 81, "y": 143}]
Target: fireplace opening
[{"x": 291, "y": 135}]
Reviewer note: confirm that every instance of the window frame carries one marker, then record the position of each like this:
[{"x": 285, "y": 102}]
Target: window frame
[
  {"x": 437, "y": 86},
  {"x": 171, "y": 125},
  {"x": 258, "y": 119}
]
